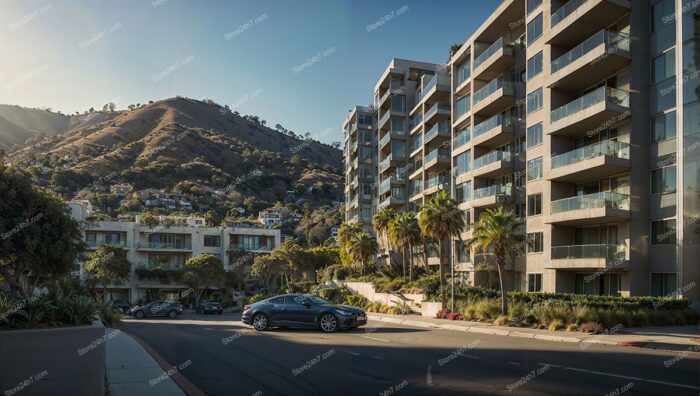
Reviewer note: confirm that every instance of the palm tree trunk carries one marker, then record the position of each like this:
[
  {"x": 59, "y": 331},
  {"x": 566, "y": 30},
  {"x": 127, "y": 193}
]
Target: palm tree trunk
[
  {"x": 403, "y": 261},
  {"x": 443, "y": 298},
  {"x": 410, "y": 262},
  {"x": 504, "y": 294}
]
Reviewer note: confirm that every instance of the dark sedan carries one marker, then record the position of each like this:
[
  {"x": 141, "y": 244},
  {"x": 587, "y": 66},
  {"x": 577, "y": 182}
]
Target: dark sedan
[
  {"x": 123, "y": 305},
  {"x": 209, "y": 306},
  {"x": 302, "y": 310},
  {"x": 157, "y": 308}
]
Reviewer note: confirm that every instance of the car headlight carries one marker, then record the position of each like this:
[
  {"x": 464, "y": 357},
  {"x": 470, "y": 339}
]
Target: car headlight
[{"x": 344, "y": 313}]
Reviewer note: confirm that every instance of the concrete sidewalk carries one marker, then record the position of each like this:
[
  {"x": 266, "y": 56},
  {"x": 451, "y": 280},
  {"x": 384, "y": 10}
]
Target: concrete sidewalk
[
  {"x": 674, "y": 338},
  {"x": 132, "y": 371}
]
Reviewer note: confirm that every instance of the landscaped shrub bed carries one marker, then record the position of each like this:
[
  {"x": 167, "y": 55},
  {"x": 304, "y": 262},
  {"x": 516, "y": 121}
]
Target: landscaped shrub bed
[{"x": 603, "y": 302}]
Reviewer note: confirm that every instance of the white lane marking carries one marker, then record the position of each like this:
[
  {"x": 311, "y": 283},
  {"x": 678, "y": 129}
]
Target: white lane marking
[
  {"x": 514, "y": 363},
  {"x": 472, "y": 356},
  {"x": 374, "y": 338},
  {"x": 608, "y": 374},
  {"x": 673, "y": 384},
  {"x": 378, "y": 357},
  {"x": 353, "y": 353},
  {"x": 624, "y": 376}
]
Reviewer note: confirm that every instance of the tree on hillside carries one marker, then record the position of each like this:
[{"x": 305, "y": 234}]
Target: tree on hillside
[
  {"x": 38, "y": 239},
  {"x": 202, "y": 272},
  {"x": 270, "y": 269},
  {"x": 404, "y": 233},
  {"x": 108, "y": 263}
]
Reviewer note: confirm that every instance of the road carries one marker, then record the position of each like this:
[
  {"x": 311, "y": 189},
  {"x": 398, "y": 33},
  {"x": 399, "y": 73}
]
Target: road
[{"x": 229, "y": 358}]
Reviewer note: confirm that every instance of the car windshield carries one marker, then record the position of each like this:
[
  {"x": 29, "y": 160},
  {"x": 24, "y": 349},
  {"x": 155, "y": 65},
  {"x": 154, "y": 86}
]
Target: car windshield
[{"x": 315, "y": 300}]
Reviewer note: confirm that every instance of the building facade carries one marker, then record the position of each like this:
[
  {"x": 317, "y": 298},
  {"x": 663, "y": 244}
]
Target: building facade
[
  {"x": 168, "y": 247},
  {"x": 583, "y": 117}
]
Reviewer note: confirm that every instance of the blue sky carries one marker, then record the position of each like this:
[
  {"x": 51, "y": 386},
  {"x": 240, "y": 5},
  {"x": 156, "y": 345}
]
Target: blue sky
[{"x": 72, "y": 55}]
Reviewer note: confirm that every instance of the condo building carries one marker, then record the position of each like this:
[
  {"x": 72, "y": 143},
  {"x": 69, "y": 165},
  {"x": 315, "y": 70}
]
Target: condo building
[
  {"x": 168, "y": 246},
  {"x": 582, "y": 117}
]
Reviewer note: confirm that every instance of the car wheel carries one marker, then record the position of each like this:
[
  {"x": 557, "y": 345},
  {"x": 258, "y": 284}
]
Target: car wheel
[
  {"x": 172, "y": 314},
  {"x": 260, "y": 322},
  {"x": 328, "y": 323},
  {"x": 139, "y": 315}
]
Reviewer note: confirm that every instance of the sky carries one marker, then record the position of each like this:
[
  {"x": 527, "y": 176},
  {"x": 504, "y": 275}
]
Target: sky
[{"x": 299, "y": 63}]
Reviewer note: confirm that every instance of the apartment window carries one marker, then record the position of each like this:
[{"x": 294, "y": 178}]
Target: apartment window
[
  {"x": 534, "y": 29},
  {"x": 520, "y": 211},
  {"x": 535, "y": 242},
  {"x": 663, "y": 284},
  {"x": 663, "y": 232},
  {"x": 519, "y": 145},
  {"x": 663, "y": 66},
  {"x": 534, "y": 135},
  {"x": 534, "y": 204},
  {"x": 519, "y": 178},
  {"x": 364, "y": 119},
  {"x": 462, "y": 105},
  {"x": 663, "y": 127},
  {"x": 398, "y": 125},
  {"x": 663, "y": 180},
  {"x": 398, "y": 103},
  {"x": 534, "y": 169},
  {"x": 463, "y": 192},
  {"x": 212, "y": 241},
  {"x": 662, "y": 15},
  {"x": 534, "y": 283},
  {"x": 532, "y": 4},
  {"x": 534, "y": 66},
  {"x": 463, "y": 72},
  {"x": 463, "y": 163},
  {"x": 534, "y": 100}
]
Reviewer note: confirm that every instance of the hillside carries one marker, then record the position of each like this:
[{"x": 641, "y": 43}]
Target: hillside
[{"x": 179, "y": 145}]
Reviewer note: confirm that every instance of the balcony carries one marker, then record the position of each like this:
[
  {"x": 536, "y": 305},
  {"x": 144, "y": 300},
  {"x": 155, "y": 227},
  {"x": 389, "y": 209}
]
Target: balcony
[
  {"x": 492, "y": 196},
  {"x": 494, "y": 61},
  {"x": 494, "y": 132},
  {"x": 163, "y": 266},
  {"x": 438, "y": 158},
  {"x": 437, "y": 183},
  {"x": 415, "y": 167},
  {"x": 461, "y": 139},
  {"x": 414, "y": 122},
  {"x": 95, "y": 244},
  {"x": 494, "y": 97},
  {"x": 578, "y": 257},
  {"x": 603, "y": 207},
  {"x": 441, "y": 108},
  {"x": 597, "y": 160},
  {"x": 174, "y": 246},
  {"x": 353, "y": 128},
  {"x": 390, "y": 135},
  {"x": 596, "y": 108},
  {"x": 441, "y": 129},
  {"x": 493, "y": 164},
  {"x": 432, "y": 85},
  {"x": 393, "y": 200},
  {"x": 590, "y": 61},
  {"x": 384, "y": 119},
  {"x": 578, "y": 19},
  {"x": 396, "y": 179}
]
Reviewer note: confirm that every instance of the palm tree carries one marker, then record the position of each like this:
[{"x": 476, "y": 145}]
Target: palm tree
[
  {"x": 345, "y": 232},
  {"x": 497, "y": 231},
  {"x": 404, "y": 233},
  {"x": 362, "y": 247},
  {"x": 381, "y": 221},
  {"x": 441, "y": 219}
]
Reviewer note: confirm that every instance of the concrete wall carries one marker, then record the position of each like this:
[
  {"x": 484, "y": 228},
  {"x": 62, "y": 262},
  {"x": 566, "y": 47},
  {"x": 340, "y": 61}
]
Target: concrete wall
[
  {"x": 40, "y": 364},
  {"x": 366, "y": 290}
]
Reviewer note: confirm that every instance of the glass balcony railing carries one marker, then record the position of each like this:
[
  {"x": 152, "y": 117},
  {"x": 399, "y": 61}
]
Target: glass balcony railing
[
  {"x": 384, "y": 140},
  {"x": 492, "y": 191},
  {"x": 415, "y": 120},
  {"x": 439, "y": 128},
  {"x": 463, "y": 137},
  {"x": 607, "y": 37},
  {"x": 96, "y": 244},
  {"x": 491, "y": 123},
  {"x": 564, "y": 11},
  {"x": 462, "y": 106},
  {"x": 434, "y": 109},
  {"x": 588, "y": 251},
  {"x": 492, "y": 87},
  {"x": 385, "y": 118},
  {"x": 492, "y": 49},
  {"x": 463, "y": 73},
  {"x": 385, "y": 185},
  {"x": 609, "y": 147},
  {"x": 417, "y": 143},
  {"x": 439, "y": 153},
  {"x": 590, "y": 99},
  {"x": 415, "y": 165},
  {"x": 353, "y": 146},
  {"x": 165, "y": 245},
  {"x": 385, "y": 164},
  {"x": 436, "y": 181},
  {"x": 415, "y": 188},
  {"x": 605, "y": 199},
  {"x": 156, "y": 265},
  {"x": 492, "y": 157}
]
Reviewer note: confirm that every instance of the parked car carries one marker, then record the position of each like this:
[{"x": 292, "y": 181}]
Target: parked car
[
  {"x": 123, "y": 305},
  {"x": 157, "y": 308},
  {"x": 209, "y": 306},
  {"x": 302, "y": 310}
]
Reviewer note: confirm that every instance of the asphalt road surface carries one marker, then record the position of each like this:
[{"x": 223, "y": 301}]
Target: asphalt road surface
[{"x": 229, "y": 358}]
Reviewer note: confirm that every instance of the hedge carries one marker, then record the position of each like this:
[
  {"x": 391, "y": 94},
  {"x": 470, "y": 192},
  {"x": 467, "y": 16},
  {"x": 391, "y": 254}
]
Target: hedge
[{"x": 600, "y": 302}]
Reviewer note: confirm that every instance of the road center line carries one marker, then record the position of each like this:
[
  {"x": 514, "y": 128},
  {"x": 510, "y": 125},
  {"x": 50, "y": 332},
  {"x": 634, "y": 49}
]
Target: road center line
[
  {"x": 353, "y": 353},
  {"x": 472, "y": 356},
  {"x": 374, "y": 338},
  {"x": 378, "y": 357},
  {"x": 623, "y": 376},
  {"x": 601, "y": 373},
  {"x": 514, "y": 363}
]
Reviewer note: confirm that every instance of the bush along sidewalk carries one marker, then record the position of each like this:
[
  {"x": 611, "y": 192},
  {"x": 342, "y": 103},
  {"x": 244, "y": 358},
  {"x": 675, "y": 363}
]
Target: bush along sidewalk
[{"x": 572, "y": 312}]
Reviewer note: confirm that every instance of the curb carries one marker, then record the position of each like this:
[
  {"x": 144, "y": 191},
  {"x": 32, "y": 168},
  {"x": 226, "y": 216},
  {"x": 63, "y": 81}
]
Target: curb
[{"x": 521, "y": 334}]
